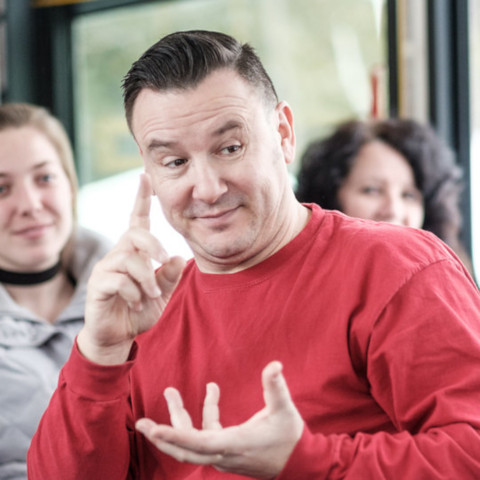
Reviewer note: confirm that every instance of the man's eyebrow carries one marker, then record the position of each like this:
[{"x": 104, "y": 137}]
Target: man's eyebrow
[
  {"x": 159, "y": 144},
  {"x": 230, "y": 125}
]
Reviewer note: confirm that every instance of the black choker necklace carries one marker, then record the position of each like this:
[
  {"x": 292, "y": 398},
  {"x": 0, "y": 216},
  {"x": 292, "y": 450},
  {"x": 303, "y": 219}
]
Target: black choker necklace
[{"x": 29, "y": 278}]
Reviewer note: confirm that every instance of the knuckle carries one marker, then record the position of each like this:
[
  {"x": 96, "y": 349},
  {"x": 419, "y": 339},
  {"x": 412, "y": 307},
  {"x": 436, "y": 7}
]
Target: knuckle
[{"x": 181, "y": 457}]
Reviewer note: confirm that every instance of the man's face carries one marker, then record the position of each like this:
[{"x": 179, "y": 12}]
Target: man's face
[{"x": 217, "y": 157}]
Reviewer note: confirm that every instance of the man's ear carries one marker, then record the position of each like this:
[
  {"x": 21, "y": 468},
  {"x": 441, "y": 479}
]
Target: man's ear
[{"x": 286, "y": 130}]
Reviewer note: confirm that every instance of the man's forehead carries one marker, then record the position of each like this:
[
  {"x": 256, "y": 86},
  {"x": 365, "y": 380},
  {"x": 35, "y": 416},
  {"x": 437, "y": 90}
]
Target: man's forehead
[
  {"x": 169, "y": 139},
  {"x": 222, "y": 108}
]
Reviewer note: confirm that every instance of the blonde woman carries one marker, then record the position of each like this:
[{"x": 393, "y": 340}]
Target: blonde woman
[{"x": 45, "y": 260}]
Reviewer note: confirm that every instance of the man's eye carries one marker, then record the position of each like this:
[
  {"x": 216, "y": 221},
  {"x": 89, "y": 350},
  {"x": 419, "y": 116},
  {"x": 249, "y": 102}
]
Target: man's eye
[
  {"x": 3, "y": 190},
  {"x": 231, "y": 149},
  {"x": 178, "y": 162}
]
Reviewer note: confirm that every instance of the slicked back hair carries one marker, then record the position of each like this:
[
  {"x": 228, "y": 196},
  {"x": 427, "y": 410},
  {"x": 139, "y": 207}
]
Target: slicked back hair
[{"x": 181, "y": 60}]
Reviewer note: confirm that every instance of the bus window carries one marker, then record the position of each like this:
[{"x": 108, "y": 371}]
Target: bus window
[{"x": 320, "y": 55}]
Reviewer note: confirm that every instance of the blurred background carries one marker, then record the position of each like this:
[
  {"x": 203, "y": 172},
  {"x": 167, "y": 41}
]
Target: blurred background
[{"x": 331, "y": 60}]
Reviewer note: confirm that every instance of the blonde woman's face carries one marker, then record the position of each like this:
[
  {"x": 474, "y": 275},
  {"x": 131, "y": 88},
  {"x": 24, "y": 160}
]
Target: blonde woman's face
[
  {"x": 381, "y": 186},
  {"x": 36, "y": 217}
]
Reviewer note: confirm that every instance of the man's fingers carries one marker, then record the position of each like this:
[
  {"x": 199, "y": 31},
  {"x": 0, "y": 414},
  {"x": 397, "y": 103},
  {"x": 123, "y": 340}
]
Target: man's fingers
[
  {"x": 184, "y": 455},
  {"x": 179, "y": 417},
  {"x": 136, "y": 238},
  {"x": 114, "y": 283},
  {"x": 168, "y": 275},
  {"x": 211, "y": 413},
  {"x": 145, "y": 426},
  {"x": 157, "y": 434},
  {"x": 132, "y": 267},
  {"x": 275, "y": 389},
  {"x": 140, "y": 216}
]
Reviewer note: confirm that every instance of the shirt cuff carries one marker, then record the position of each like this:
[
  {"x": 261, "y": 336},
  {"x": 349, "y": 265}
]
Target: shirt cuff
[
  {"x": 94, "y": 381},
  {"x": 311, "y": 458}
]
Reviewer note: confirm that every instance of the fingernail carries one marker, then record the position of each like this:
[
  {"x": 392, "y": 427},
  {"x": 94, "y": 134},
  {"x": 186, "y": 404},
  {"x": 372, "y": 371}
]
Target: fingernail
[{"x": 140, "y": 426}]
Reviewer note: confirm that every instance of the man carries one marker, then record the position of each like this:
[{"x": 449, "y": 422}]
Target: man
[{"x": 366, "y": 336}]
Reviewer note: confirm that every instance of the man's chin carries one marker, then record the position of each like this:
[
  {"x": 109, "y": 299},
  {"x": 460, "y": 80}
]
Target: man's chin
[
  {"x": 225, "y": 252},
  {"x": 222, "y": 253}
]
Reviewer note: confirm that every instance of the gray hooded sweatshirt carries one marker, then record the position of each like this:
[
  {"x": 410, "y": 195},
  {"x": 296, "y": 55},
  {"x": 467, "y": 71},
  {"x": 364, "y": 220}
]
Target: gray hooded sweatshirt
[{"x": 32, "y": 352}]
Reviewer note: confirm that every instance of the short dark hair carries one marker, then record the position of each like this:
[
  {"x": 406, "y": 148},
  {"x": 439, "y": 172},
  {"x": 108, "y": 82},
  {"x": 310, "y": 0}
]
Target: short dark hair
[
  {"x": 326, "y": 163},
  {"x": 182, "y": 60}
]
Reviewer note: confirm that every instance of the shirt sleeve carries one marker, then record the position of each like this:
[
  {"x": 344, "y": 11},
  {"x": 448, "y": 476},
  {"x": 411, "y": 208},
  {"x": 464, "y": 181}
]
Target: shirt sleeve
[
  {"x": 87, "y": 430},
  {"x": 423, "y": 367}
]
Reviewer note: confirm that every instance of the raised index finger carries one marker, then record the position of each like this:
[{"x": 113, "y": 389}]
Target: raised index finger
[{"x": 140, "y": 216}]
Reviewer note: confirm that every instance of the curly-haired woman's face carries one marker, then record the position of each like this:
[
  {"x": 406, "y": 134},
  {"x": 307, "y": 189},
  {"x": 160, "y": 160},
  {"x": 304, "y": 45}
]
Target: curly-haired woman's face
[{"x": 381, "y": 186}]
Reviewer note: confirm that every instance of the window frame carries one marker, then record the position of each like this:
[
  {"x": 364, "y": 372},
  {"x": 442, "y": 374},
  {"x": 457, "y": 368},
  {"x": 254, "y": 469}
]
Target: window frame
[
  {"x": 43, "y": 69},
  {"x": 449, "y": 87}
]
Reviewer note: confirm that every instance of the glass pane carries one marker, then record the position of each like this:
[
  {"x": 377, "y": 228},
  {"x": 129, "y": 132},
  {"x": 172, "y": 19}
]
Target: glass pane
[
  {"x": 320, "y": 54},
  {"x": 475, "y": 148}
]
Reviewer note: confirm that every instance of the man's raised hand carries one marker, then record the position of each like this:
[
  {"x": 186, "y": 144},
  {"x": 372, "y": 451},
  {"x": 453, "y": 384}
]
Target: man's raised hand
[{"x": 126, "y": 295}]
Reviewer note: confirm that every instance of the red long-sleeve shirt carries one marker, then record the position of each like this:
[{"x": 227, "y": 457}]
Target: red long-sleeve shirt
[{"x": 378, "y": 329}]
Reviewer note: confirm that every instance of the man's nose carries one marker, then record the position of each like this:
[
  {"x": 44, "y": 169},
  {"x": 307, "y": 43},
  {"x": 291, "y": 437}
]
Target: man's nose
[{"x": 208, "y": 184}]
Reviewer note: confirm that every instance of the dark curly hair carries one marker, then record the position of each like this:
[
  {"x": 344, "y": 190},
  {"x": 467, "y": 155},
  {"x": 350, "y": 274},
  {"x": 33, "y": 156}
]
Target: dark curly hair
[{"x": 327, "y": 162}]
